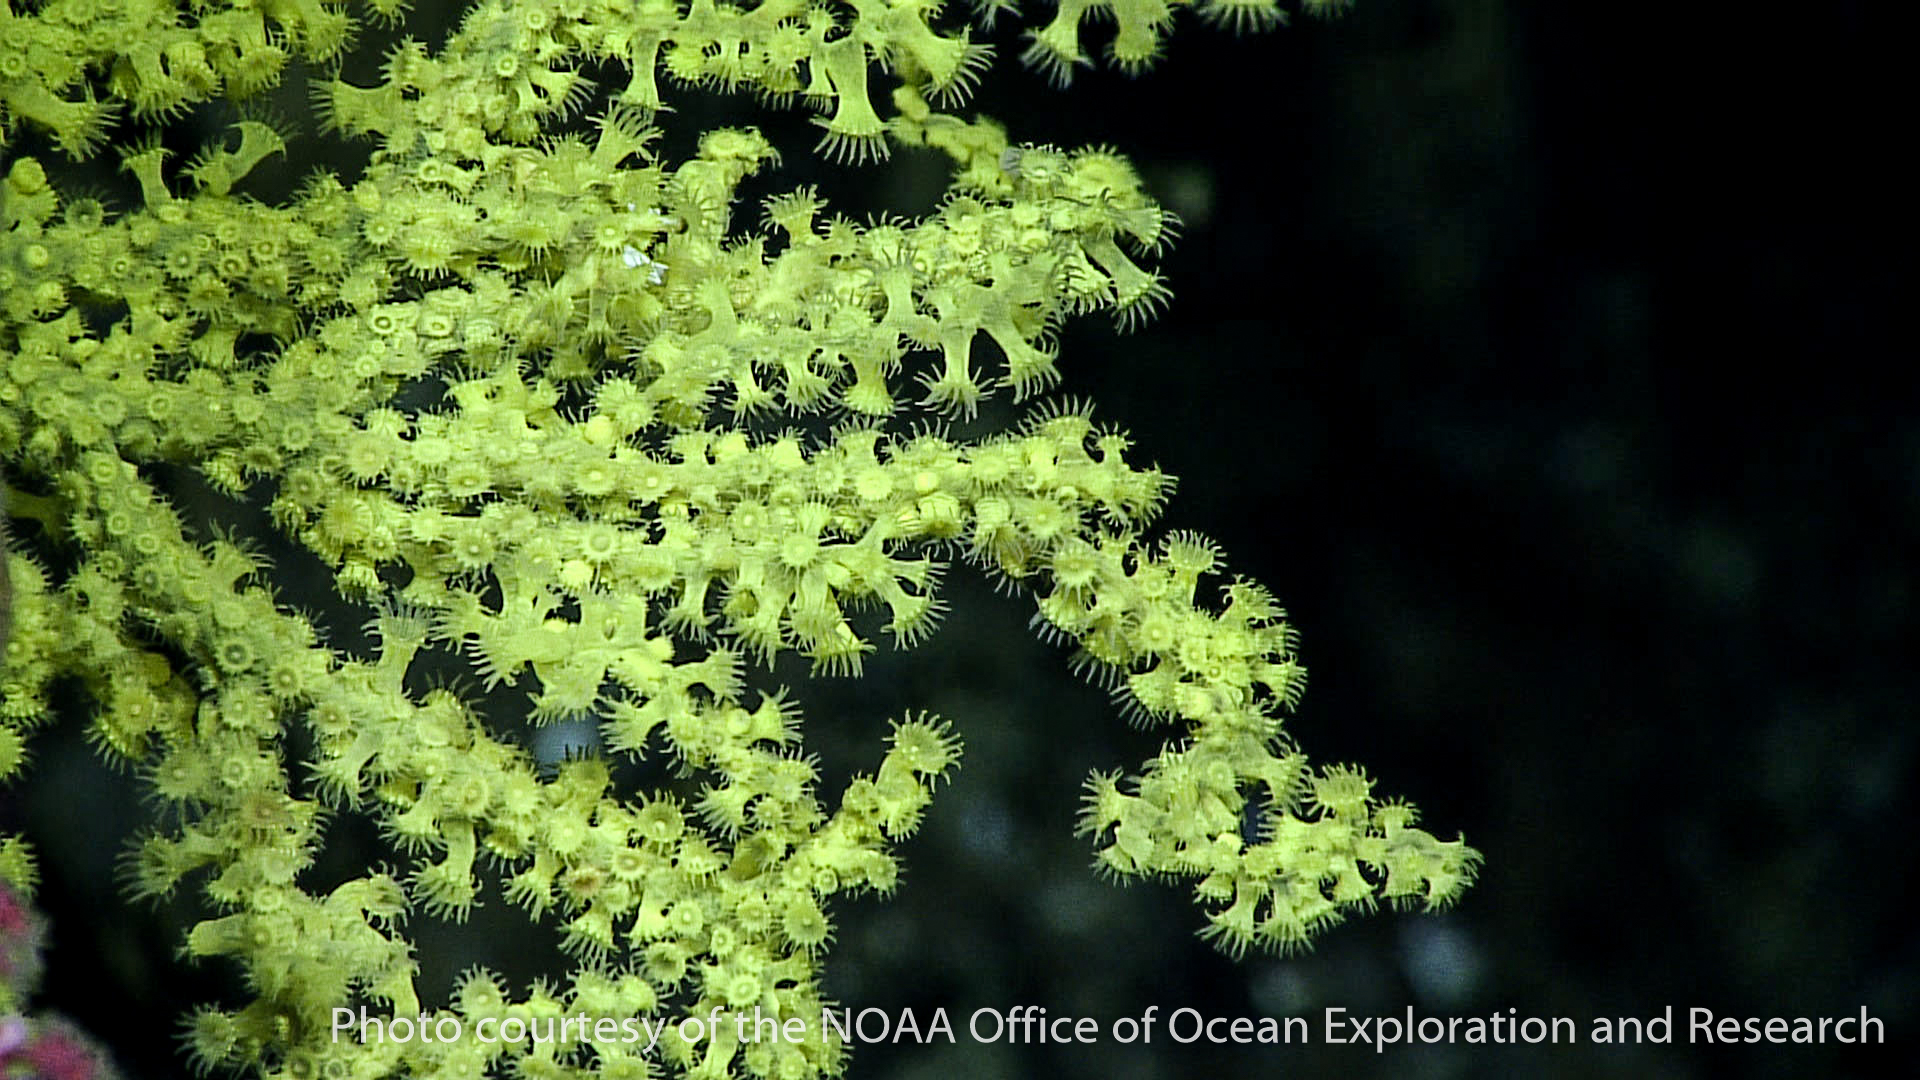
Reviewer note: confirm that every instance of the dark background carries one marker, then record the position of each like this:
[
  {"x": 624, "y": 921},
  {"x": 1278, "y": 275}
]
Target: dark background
[{"x": 1542, "y": 362}]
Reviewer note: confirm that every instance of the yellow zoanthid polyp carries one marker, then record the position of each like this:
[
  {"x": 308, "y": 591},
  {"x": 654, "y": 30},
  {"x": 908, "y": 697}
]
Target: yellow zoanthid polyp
[{"x": 588, "y": 433}]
